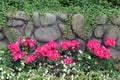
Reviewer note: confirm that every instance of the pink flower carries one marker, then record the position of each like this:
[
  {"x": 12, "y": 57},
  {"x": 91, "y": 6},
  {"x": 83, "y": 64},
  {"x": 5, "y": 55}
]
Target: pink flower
[
  {"x": 18, "y": 56},
  {"x": 64, "y": 46},
  {"x": 20, "y": 41},
  {"x": 55, "y": 55},
  {"x": 31, "y": 43},
  {"x": 14, "y": 47},
  {"x": 110, "y": 42},
  {"x": 58, "y": 69},
  {"x": 99, "y": 53},
  {"x": 92, "y": 44},
  {"x": 74, "y": 45},
  {"x": 68, "y": 61},
  {"x": 30, "y": 59},
  {"x": 52, "y": 44}
]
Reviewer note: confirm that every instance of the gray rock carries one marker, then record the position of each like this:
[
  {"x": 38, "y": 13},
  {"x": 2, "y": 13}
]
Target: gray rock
[
  {"x": 46, "y": 34},
  {"x": 16, "y": 23},
  {"x": 48, "y": 19},
  {"x": 114, "y": 52},
  {"x": 28, "y": 30},
  {"x": 102, "y": 19},
  {"x": 116, "y": 21},
  {"x": 1, "y": 36},
  {"x": 9, "y": 15},
  {"x": 62, "y": 27},
  {"x": 78, "y": 24},
  {"x": 62, "y": 16},
  {"x": 12, "y": 34},
  {"x": 36, "y": 19},
  {"x": 20, "y": 15},
  {"x": 3, "y": 44},
  {"x": 99, "y": 32},
  {"x": 82, "y": 45},
  {"x": 111, "y": 32},
  {"x": 118, "y": 41}
]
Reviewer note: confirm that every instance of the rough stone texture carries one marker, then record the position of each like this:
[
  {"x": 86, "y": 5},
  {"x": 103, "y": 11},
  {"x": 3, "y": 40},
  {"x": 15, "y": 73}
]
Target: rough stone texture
[
  {"x": 12, "y": 34},
  {"x": 62, "y": 27},
  {"x": 62, "y": 16},
  {"x": 116, "y": 21},
  {"x": 48, "y": 19},
  {"x": 16, "y": 23},
  {"x": 118, "y": 41},
  {"x": 36, "y": 19},
  {"x": 46, "y": 34},
  {"x": 3, "y": 44},
  {"x": 9, "y": 15},
  {"x": 82, "y": 45},
  {"x": 78, "y": 24},
  {"x": 1, "y": 36},
  {"x": 99, "y": 32},
  {"x": 114, "y": 52},
  {"x": 28, "y": 30},
  {"x": 20, "y": 15},
  {"x": 102, "y": 19},
  {"x": 111, "y": 32}
]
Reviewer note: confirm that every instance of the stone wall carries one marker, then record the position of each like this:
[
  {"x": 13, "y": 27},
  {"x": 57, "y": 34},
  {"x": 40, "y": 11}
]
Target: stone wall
[{"x": 53, "y": 27}]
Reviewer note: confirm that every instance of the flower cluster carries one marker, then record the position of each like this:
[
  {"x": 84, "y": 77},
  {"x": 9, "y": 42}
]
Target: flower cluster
[
  {"x": 110, "y": 42},
  {"x": 70, "y": 45},
  {"x": 68, "y": 61},
  {"x": 48, "y": 50},
  {"x": 18, "y": 53},
  {"x": 101, "y": 52}
]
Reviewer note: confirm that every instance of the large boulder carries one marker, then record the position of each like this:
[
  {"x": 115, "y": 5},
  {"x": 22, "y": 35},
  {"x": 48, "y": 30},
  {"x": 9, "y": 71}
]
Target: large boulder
[
  {"x": 111, "y": 32},
  {"x": 62, "y": 16},
  {"x": 99, "y": 31},
  {"x": 78, "y": 24},
  {"x": 12, "y": 34},
  {"x": 20, "y": 15},
  {"x": 29, "y": 30},
  {"x": 116, "y": 21},
  {"x": 16, "y": 23},
  {"x": 102, "y": 19},
  {"x": 62, "y": 27},
  {"x": 114, "y": 52},
  {"x": 48, "y": 19},
  {"x": 46, "y": 34},
  {"x": 36, "y": 19}
]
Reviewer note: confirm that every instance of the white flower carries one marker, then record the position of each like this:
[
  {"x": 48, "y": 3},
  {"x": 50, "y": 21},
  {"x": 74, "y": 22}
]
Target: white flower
[
  {"x": 89, "y": 57},
  {"x": 1, "y": 69},
  {"x": 80, "y": 51}
]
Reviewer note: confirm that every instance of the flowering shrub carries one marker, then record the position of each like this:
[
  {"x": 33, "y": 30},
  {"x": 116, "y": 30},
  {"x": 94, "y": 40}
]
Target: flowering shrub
[
  {"x": 101, "y": 52},
  {"x": 17, "y": 51},
  {"x": 60, "y": 61}
]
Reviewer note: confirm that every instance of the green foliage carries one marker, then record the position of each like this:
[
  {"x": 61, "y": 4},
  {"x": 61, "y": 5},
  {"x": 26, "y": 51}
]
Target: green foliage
[{"x": 89, "y": 8}]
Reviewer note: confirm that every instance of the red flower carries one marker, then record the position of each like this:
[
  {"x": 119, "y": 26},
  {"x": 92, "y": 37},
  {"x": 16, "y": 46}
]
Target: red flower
[
  {"x": 30, "y": 59},
  {"x": 14, "y": 47},
  {"x": 68, "y": 61},
  {"x": 18, "y": 56},
  {"x": 31, "y": 43},
  {"x": 52, "y": 45},
  {"x": 110, "y": 42},
  {"x": 74, "y": 45},
  {"x": 92, "y": 44}
]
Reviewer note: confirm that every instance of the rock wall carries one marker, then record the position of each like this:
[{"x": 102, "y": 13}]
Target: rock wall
[{"x": 53, "y": 27}]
